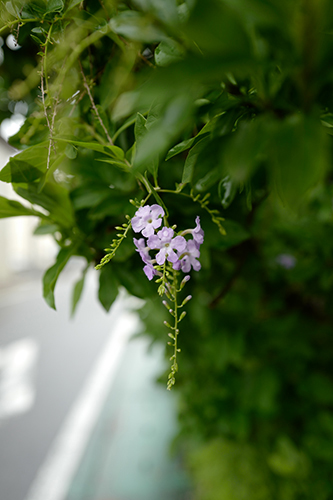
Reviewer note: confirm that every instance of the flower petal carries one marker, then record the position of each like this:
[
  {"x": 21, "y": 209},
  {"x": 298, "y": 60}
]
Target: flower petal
[
  {"x": 179, "y": 243},
  {"x": 156, "y": 211}
]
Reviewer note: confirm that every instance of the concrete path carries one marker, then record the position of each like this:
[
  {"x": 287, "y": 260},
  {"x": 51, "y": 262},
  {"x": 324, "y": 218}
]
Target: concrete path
[{"x": 81, "y": 417}]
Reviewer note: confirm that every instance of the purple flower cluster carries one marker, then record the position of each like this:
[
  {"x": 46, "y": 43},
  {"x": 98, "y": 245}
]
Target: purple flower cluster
[{"x": 182, "y": 253}]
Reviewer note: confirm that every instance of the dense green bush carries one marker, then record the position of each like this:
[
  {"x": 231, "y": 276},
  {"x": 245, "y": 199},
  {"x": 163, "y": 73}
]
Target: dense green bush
[{"x": 178, "y": 100}]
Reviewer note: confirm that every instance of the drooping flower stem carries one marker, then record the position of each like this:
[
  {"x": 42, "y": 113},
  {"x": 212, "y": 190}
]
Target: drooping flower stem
[{"x": 174, "y": 335}]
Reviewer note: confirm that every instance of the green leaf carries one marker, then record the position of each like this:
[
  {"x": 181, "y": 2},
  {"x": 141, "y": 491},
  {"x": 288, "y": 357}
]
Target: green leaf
[
  {"x": 54, "y": 198},
  {"x": 27, "y": 166},
  {"x": 191, "y": 161},
  {"x": 163, "y": 131},
  {"x": 54, "y": 6},
  {"x": 227, "y": 191},
  {"x": 246, "y": 149},
  {"x": 184, "y": 145},
  {"x": 210, "y": 179},
  {"x": 136, "y": 27},
  {"x": 77, "y": 290},
  {"x": 45, "y": 228},
  {"x": 140, "y": 129},
  {"x": 168, "y": 51},
  {"x": 52, "y": 274},
  {"x": 11, "y": 208},
  {"x": 89, "y": 195},
  {"x": 215, "y": 28},
  {"x": 179, "y": 148},
  {"x": 114, "y": 151},
  {"x": 72, "y": 4},
  {"x": 299, "y": 152},
  {"x": 124, "y": 166},
  {"x": 108, "y": 287}
]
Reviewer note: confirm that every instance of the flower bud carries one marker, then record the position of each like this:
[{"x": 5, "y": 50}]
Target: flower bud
[{"x": 184, "y": 281}]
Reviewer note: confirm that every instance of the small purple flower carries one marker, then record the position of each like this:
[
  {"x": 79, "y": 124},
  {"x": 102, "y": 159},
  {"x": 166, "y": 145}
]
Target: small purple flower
[
  {"x": 149, "y": 271},
  {"x": 188, "y": 258},
  {"x": 197, "y": 233},
  {"x": 143, "y": 250},
  {"x": 167, "y": 245},
  {"x": 147, "y": 219},
  {"x": 286, "y": 260}
]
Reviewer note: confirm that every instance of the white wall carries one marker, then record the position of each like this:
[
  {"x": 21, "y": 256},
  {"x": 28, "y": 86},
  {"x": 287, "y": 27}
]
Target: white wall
[{"x": 20, "y": 250}]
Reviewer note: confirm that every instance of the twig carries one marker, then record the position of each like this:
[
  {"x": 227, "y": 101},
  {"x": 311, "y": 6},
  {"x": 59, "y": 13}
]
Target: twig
[{"x": 94, "y": 105}]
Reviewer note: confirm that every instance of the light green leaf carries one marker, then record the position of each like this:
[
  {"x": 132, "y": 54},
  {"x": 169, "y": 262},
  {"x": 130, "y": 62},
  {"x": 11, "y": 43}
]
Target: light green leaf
[
  {"x": 11, "y": 208},
  {"x": 52, "y": 274},
  {"x": 114, "y": 151},
  {"x": 27, "y": 166},
  {"x": 140, "y": 129},
  {"x": 168, "y": 51},
  {"x": 136, "y": 27},
  {"x": 54, "y": 6}
]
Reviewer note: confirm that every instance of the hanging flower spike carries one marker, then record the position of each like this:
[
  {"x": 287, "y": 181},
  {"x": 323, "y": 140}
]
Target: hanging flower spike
[
  {"x": 197, "y": 233},
  {"x": 188, "y": 258},
  {"x": 147, "y": 219},
  {"x": 166, "y": 244}
]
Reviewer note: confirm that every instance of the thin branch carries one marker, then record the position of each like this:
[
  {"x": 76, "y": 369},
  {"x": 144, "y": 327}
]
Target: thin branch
[{"x": 94, "y": 105}]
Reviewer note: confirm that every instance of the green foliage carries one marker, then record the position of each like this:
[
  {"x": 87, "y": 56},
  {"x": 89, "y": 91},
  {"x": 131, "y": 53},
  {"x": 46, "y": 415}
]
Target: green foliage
[{"x": 212, "y": 108}]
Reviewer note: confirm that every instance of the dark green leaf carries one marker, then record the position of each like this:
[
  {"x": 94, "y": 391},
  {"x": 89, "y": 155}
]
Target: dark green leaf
[
  {"x": 191, "y": 161},
  {"x": 77, "y": 290},
  {"x": 52, "y": 274},
  {"x": 108, "y": 286},
  {"x": 236, "y": 234},
  {"x": 227, "y": 191},
  {"x": 54, "y": 198},
  {"x": 299, "y": 153}
]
